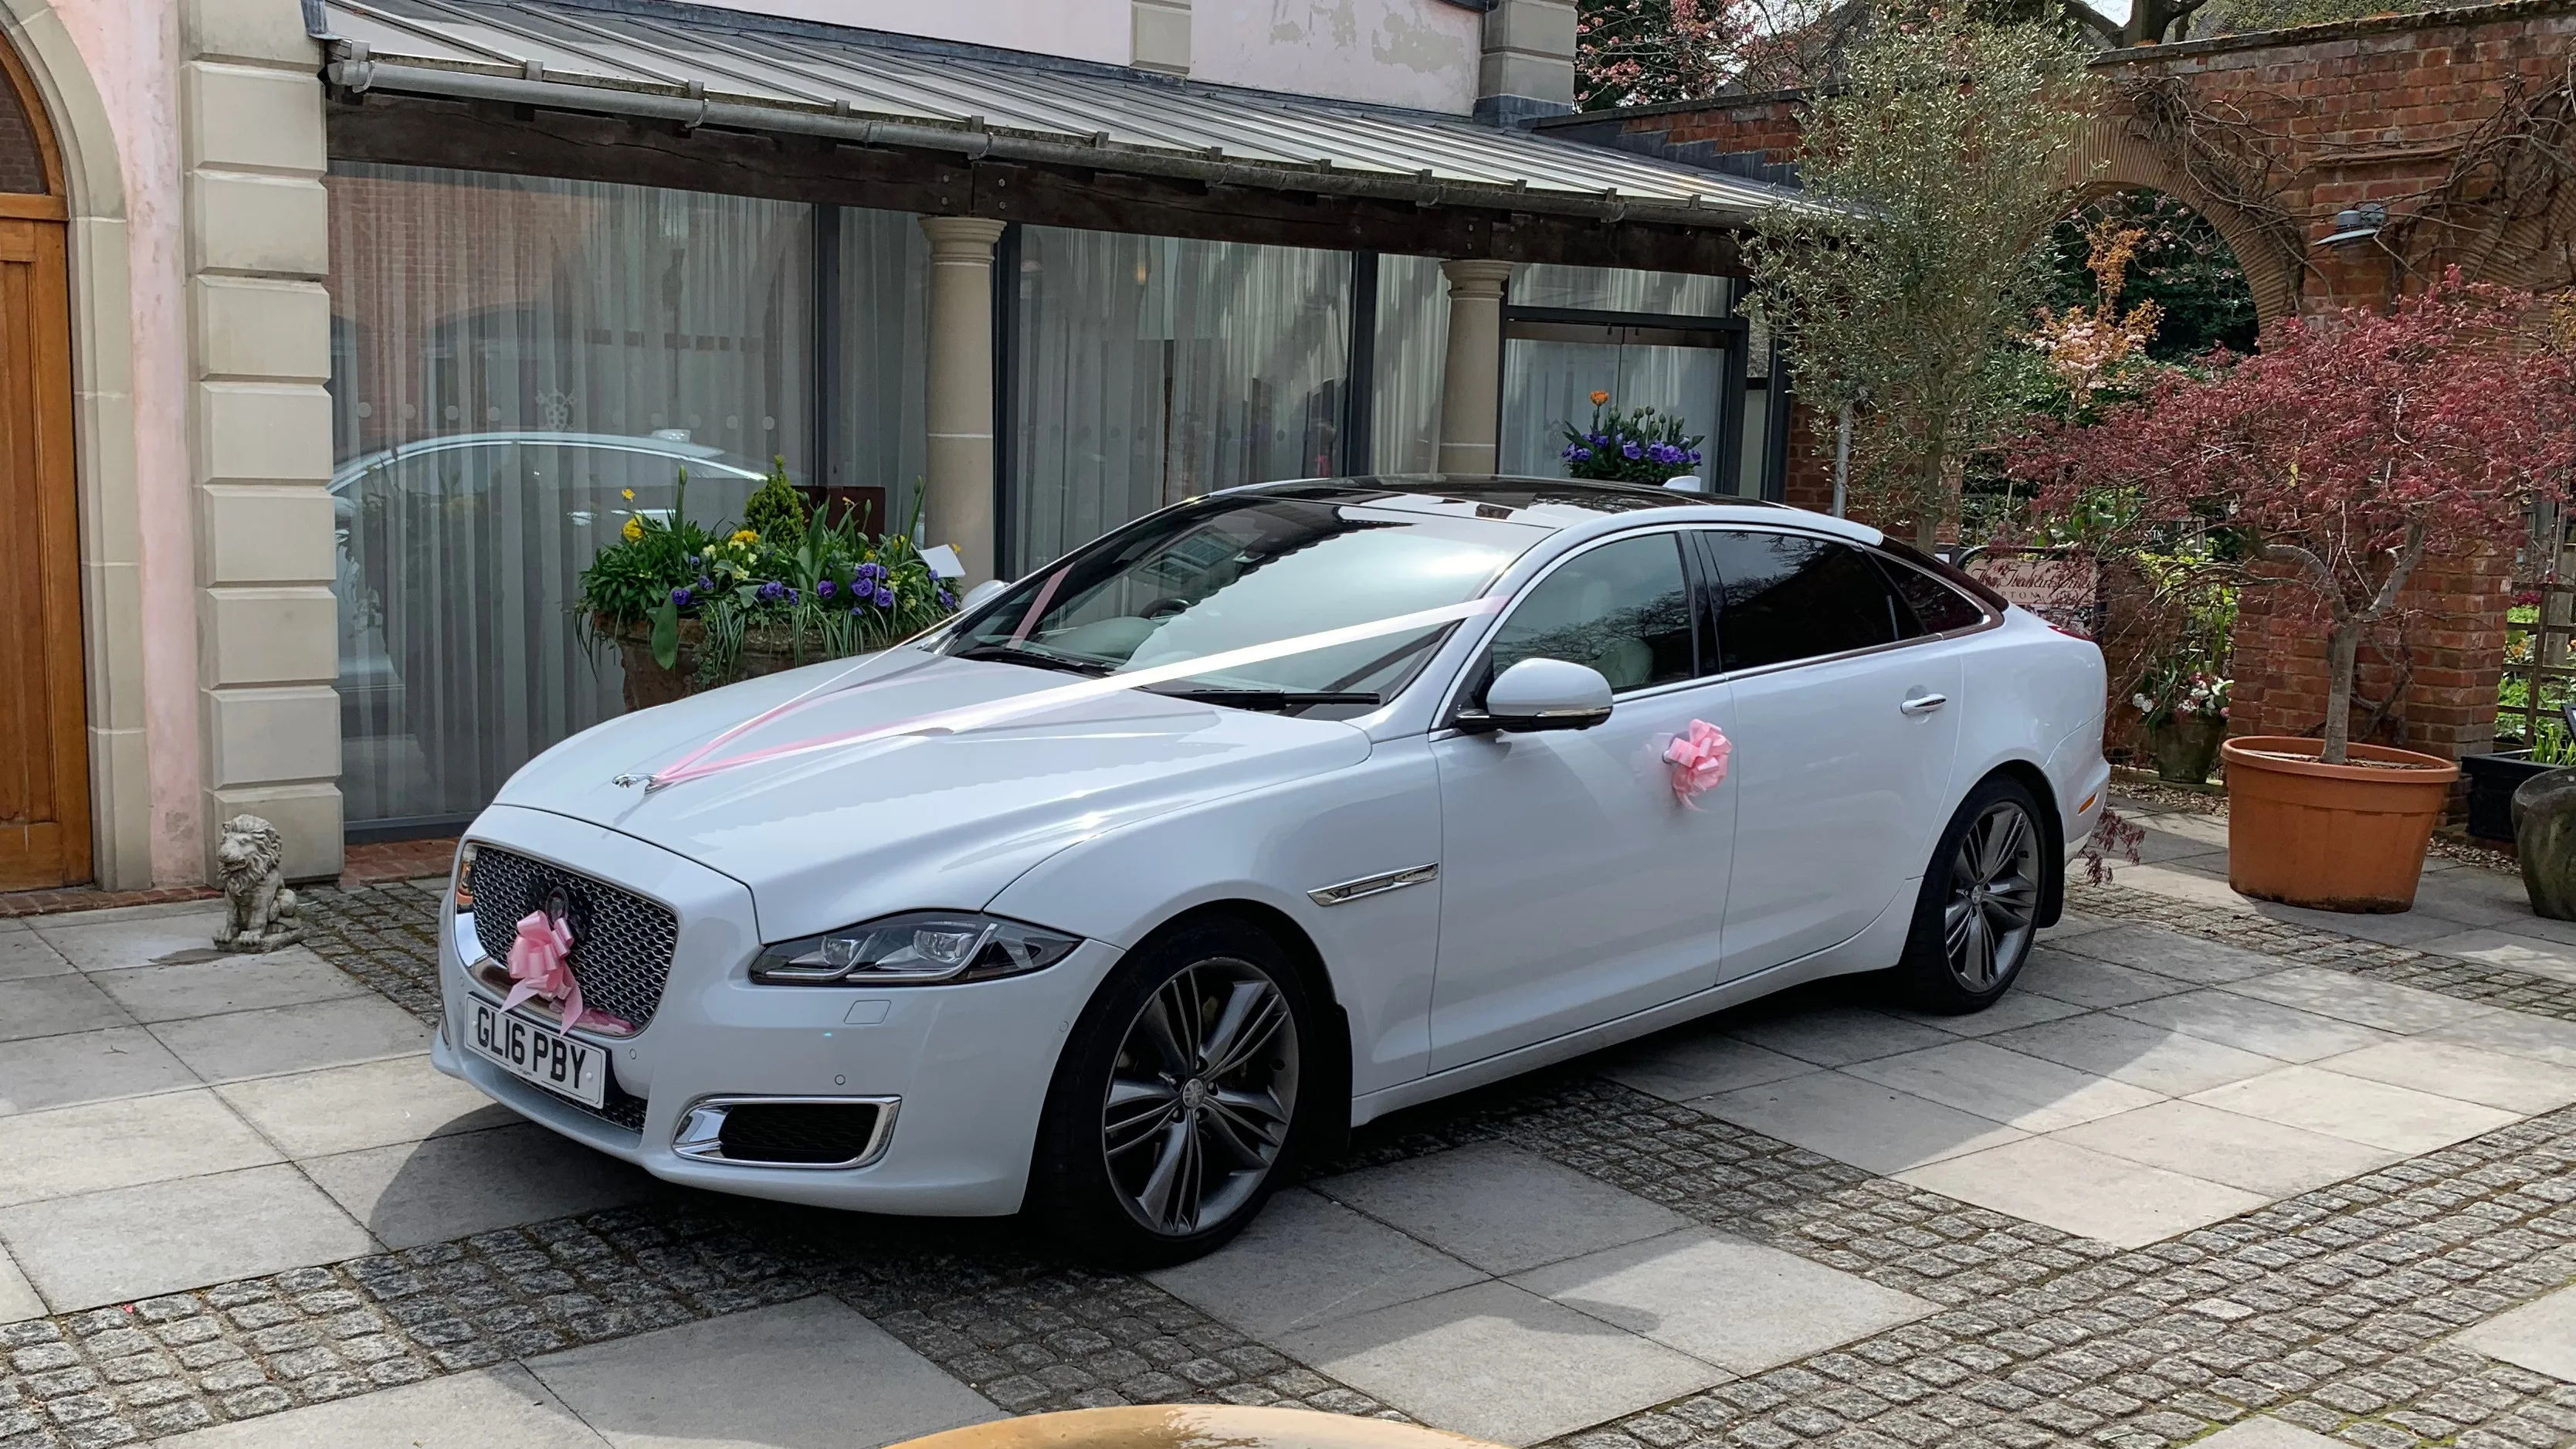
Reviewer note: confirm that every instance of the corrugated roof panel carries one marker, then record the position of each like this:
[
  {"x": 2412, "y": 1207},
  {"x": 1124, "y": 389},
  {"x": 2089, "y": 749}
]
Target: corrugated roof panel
[{"x": 605, "y": 58}]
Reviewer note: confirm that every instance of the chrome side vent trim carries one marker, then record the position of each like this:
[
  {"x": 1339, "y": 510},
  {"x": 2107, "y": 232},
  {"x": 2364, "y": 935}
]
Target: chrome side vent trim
[{"x": 1374, "y": 885}]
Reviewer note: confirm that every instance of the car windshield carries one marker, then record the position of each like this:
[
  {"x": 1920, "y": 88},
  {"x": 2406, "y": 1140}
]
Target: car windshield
[{"x": 1234, "y": 571}]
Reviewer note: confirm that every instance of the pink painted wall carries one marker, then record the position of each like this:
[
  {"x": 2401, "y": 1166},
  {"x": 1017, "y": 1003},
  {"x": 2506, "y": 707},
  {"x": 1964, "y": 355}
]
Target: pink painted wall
[{"x": 132, "y": 47}]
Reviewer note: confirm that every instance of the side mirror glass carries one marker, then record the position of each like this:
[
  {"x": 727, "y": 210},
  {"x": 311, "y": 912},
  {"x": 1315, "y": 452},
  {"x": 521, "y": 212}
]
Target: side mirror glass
[{"x": 1547, "y": 694}]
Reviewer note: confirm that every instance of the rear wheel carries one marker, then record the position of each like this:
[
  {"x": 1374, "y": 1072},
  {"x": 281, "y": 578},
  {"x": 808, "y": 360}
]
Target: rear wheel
[
  {"x": 1176, "y": 1102},
  {"x": 1979, "y": 907}
]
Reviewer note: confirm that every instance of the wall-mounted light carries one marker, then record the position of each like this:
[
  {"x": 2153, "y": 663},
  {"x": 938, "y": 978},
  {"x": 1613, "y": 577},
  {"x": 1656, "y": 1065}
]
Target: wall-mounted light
[{"x": 2356, "y": 224}]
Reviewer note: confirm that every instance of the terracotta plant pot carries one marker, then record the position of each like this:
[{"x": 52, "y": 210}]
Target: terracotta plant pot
[
  {"x": 1194, "y": 1426},
  {"x": 2345, "y": 837},
  {"x": 2185, "y": 747}
]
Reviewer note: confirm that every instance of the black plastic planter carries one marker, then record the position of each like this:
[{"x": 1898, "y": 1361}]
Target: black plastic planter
[{"x": 2492, "y": 781}]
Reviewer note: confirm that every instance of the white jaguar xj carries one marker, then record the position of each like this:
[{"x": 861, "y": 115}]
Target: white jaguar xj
[{"x": 1149, "y": 875}]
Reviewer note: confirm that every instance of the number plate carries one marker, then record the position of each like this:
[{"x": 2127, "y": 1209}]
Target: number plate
[{"x": 539, "y": 1054}]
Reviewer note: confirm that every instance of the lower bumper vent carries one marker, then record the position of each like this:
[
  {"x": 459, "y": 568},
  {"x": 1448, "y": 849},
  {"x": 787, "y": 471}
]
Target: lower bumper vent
[{"x": 793, "y": 1132}]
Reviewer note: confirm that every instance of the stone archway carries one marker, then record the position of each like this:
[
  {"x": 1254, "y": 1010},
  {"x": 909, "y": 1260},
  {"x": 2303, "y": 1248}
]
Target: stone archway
[
  {"x": 2112, "y": 157},
  {"x": 103, "y": 431}
]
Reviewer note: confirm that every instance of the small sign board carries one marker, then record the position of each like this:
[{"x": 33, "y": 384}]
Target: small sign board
[{"x": 2062, "y": 587}]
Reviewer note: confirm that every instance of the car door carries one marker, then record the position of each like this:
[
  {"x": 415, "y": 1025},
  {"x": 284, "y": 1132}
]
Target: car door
[
  {"x": 1575, "y": 886},
  {"x": 1847, "y": 722}
]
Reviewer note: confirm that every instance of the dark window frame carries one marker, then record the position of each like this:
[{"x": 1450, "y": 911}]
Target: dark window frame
[{"x": 1879, "y": 558}]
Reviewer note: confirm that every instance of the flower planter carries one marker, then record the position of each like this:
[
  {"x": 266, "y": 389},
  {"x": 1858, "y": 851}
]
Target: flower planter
[
  {"x": 649, "y": 684},
  {"x": 2347, "y": 837},
  {"x": 2185, "y": 748},
  {"x": 2544, "y": 841},
  {"x": 2492, "y": 781}
]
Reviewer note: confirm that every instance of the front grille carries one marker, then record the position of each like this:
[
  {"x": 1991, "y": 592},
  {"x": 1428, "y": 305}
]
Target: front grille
[
  {"x": 812, "y": 1133},
  {"x": 618, "y": 1109},
  {"x": 622, "y": 943}
]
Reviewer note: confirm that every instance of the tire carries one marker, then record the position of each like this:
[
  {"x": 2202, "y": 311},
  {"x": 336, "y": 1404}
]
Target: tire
[
  {"x": 1176, "y": 1107},
  {"x": 1978, "y": 911}
]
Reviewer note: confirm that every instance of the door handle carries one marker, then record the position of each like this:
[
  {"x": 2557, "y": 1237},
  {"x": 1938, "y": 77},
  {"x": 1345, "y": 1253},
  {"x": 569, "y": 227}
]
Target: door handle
[{"x": 1923, "y": 704}]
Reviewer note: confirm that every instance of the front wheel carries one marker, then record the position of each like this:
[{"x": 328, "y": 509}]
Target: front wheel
[
  {"x": 1177, "y": 1098},
  {"x": 1979, "y": 906}
]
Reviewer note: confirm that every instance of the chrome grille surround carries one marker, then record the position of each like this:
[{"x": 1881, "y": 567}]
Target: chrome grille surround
[{"x": 623, "y": 943}]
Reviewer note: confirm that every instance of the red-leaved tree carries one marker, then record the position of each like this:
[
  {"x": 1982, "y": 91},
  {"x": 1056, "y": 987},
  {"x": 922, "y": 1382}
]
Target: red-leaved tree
[{"x": 2348, "y": 448}]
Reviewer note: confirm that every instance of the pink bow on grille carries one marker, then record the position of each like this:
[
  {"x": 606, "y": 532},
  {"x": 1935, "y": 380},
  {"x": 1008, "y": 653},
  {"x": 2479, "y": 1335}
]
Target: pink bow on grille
[
  {"x": 539, "y": 963},
  {"x": 1698, "y": 760}
]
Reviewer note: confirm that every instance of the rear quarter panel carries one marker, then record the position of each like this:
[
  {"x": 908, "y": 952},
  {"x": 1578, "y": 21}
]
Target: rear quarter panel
[{"x": 2034, "y": 696}]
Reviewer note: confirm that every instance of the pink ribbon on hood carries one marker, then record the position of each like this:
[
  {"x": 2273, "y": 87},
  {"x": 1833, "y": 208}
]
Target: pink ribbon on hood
[
  {"x": 1698, "y": 759},
  {"x": 541, "y": 965}
]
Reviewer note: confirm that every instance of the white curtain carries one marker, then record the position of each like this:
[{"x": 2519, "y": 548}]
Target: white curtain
[
  {"x": 1548, "y": 384},
  {"x": 1619, "y": 289},
  {"x": 511, "y": 355},
  {"x": 881, "y": 429},
  {"x": 1153, "y": 369},
  {"x": 1412, "y": 355}
]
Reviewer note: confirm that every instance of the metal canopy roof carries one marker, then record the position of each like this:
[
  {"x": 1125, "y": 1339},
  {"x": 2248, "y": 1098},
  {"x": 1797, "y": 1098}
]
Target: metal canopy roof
[{"x": 704, "y": 67}]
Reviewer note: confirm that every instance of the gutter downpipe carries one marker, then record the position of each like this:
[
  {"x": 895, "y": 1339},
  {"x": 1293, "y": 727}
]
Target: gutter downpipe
[
  {"x": 692, "y": 112},
  {"x": 1842, "y": 459}
]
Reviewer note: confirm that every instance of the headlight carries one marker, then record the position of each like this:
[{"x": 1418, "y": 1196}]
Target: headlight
[
  {"x": 916, "y": 949},
  {"x": 464, "y": 884}
]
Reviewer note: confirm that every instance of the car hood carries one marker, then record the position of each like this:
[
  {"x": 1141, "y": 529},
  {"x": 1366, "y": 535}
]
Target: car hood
[{"x": 918, "y": 821}]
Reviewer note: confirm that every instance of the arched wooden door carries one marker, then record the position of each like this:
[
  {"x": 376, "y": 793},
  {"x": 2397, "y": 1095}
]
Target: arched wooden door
[{"x": 44, "y": 750}]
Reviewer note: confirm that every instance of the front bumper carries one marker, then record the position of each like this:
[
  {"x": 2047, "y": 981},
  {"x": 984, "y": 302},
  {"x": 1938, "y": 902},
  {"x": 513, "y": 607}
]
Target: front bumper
[{"x": 970, "y": 1064}]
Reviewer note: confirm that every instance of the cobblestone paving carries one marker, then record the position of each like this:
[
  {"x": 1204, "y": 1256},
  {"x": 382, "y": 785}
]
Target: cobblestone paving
[
  {"x": 2304, "y": 945},
  {"x": 2329, "y": 1309}
]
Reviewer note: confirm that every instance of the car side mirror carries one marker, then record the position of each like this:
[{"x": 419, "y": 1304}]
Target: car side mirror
[
  {"x": 980, "y": 593},
  {"x": 1547, "y": 694}
]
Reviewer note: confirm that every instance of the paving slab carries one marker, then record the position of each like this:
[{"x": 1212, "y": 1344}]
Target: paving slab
[
  {"x": 371, "y": 1104},
  {"x": 449, "y": 1187},
  {"x": 1309, "y": 1260},
  {"x": 136, "y": 1242},
  {"x": 1870, "y": 1126},
  {"x": 88, "y": 1066},
  {"x": 24, "y": 954},
  {"x": 2493, "y": 1079},
  {"x": 18, "y": 1298},
  {"x": 2074, "y": 923},
  {"x": 1737, "y": 1304},
  {"x": 1697, "y": 1061},
  {"x": 501, "y": 1405},
  {"x": 232, "y": 983},
  {"x": 805, "y": 1375},
  {"x": 1500, "y": 1209},
  {"x": 2265, "y": 1432},
  {"x": 2091, "y": 1194},
  {"x": 40, "y": 1006},
  {"x": 2174, "y": 883},
  {"x": 2346, "y": 997},
  {"x": 2397, "y": 1118},
  {"x": 1835, "y": 1036},
  {"x": 89, "y": 1148},
  {"x": 2154, "y": 1057},
  {"x": 2406, "y": 928},
  {"x": 2004, "y": 1086},
  {"x": 117, "y": 940},
  {"x": 2014, "y": 1008},
  {"x": 2170, "y": 953},
  {"x": 2516, "y": 1034},
  {"x": 2539, "y": 1336},
  {"x": 1499, "y": 1363},
  {"x": 2085, "y": 982},
  {"x": 2262, "y": 1027},
  {"x": 2552, "y": 959},
  {"x": 283, "y": 1039},
  {"x": 2226, "y": 1147}
]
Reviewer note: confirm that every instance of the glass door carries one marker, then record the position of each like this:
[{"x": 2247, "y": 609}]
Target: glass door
[{"x": 1552, "y": 368}]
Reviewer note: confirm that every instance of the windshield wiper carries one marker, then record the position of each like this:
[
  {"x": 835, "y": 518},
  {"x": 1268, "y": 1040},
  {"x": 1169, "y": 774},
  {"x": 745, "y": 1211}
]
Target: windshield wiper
[
  {"x": 1268, "y": 699},
  {"x": 1011, "y": 654}
]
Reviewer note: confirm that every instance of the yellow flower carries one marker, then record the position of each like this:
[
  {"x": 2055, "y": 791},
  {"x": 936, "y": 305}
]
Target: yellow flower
[
  {"x": 627, "y": 493},
  {"x": 747, "y": 536},
  {"x": 634, "y": 528}
]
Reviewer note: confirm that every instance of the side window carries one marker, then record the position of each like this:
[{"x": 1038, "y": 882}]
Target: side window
[
  {"x": 1936, "y": 606},
  {"x": 1623, "y": 608},
  {"x": 1786, "y": 596}
]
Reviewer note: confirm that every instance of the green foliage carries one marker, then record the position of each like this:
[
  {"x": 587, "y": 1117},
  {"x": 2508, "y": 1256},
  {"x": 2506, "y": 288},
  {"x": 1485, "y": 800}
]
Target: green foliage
[
  {"x": 777, "y": 509},
  {"x": 2182, "y": 265},
  {"x": 1945, "y": 156},
  {"x": 1640, "y": 445}
]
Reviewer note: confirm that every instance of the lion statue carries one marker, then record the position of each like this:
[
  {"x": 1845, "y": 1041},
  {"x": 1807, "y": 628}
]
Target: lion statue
[{"x": 260, "y": 910}]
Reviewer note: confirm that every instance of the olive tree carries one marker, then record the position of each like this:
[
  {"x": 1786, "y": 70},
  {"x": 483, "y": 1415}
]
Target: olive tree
[{"x": 1910, "y": 261}]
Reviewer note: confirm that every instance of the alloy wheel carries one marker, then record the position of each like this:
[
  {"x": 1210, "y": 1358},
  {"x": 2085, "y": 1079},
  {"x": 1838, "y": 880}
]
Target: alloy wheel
[
  {"x": 1201, "y": 1097},
  {"x": 1994, "y": 895}
]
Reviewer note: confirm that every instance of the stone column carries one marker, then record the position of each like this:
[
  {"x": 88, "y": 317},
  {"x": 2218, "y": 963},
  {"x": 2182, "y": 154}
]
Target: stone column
[
  {"x": 258, "y": 246},
  {"x": 1471, "y": 388},
  {"x": 958, "y": 508}
]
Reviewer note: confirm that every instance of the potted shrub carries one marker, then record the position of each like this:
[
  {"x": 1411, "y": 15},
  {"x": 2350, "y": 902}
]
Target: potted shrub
[
  {"x": 691, "y": 608},
  {"x": 2343, "y": 454},
  {"x": 1640, "y": 445},
  {"x": 2183, "y": 713}
]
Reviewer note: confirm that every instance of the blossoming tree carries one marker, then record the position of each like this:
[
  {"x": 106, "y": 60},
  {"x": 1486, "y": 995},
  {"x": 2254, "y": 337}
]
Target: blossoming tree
[{"x": 2349, "y": 449}]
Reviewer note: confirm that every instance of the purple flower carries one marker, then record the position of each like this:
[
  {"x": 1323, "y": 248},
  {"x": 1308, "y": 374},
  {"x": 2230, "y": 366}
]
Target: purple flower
[
  {"x": 1578, "y": 454},
  {"x": 1630, "y": 450},
  {"x": 885, "y": 597},
  {"x": 824, "y": 589},
  {"x": 705, "y": 585},
  {"x": 947, "y": 600},
  {"x": 680, "y": 598},
  {"x": 774, "y": 592}
]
